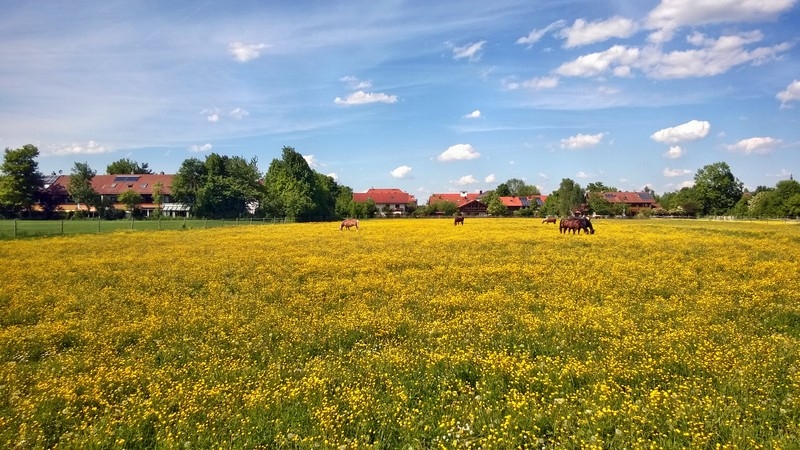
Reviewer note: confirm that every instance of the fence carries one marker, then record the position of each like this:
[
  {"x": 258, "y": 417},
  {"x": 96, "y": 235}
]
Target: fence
[{"x": 27, "y": 228}]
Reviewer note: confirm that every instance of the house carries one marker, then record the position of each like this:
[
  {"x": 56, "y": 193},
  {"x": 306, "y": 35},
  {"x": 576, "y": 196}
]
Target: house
[
  {"x": 111, "y": 186},
  {"x": 387, "y": 201},
  {"x": 517, "y": 203},
  {"x": 632, "y": 202},
  {"x": 467, "y": 204}
]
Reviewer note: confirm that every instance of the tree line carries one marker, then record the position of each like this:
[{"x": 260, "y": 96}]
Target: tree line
[{"x": 230, "y": 187}]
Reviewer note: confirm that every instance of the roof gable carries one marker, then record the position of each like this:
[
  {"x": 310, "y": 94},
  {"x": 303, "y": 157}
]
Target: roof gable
[{"x": 384, "y": 196}]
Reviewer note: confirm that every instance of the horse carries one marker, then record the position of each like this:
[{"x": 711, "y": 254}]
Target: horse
[
  {"x": 549, "y": 219},
  {"x": 458, "y": 220},
  {"x": 576, "y": 224},
  {"x": 347, "y": 223}
]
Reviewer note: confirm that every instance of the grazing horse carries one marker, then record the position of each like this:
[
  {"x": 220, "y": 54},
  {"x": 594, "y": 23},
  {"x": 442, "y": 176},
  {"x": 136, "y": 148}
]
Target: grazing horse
[
  {"x": 347, "y": 223},
  {"x": 459, "y": 220},
  {"x": 549, "y": 219},
  {"x": 576, "y": 224}
]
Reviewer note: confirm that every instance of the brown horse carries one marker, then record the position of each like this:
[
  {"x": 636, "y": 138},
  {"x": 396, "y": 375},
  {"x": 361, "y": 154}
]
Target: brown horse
[
  {"x": 459, "y": 220},
  {"x": 575, "y": 224},
  {"x": 549, "y": 219},
  {"x": 347, "y": 223}
]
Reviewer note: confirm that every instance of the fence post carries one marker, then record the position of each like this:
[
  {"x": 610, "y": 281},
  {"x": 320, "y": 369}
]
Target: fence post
[
  {"x": 62, "y": 227},
  {"x": 159, "y": 223},
  {"x": 98, "y": 225},
  {"x": 15, "y": 227},
  {"x": 131, "y": 220}
]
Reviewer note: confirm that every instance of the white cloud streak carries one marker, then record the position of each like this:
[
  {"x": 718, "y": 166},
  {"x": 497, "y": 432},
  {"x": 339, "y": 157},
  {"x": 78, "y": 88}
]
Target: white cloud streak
[
  {"x": 580, "y": 141},
  {"x": 458, "y": 152},
  {"x": 689, "y": 131}
]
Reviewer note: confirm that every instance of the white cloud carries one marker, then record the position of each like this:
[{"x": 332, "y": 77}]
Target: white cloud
[
  {"x": 670, "y": 15},
  {"x": 674, "y": 152},
  {"x": 363, "y": 98},
  {"x": 581, "y": 141},
  {"x": 535, "y": 35},
  {"x": 581, "y": 174},
  {"x": 600, "y": 62},
  {"x": 676, "y": 172},
  {"x": 334, "y": 175},
  {"x": 355, "y": 83},
  {"x": 689, "y": 131},
  {"x": 790, "y": 94},
  {"x": 469, "y": 51},
  {"x": 712, "y": 57},
  {"x": 458, "y": 152},
  {"x": 754, "y": 145},
  {"x": 583, "y": 33},
  {"x": 473, "y": 115},
  {"x": 213, "y": 118},
  {"x": 200, "y": 148},
  {"x": 245, "y": 52},
  {"x": 238, "y": 113},
  {"x": 312, "y": 161},
  {"x": 490, "y": 178},
  {"x": 212, "y": 114},
  {"x": 401, "y": 172},
  {"x": 466, "y": 179},
  {"x": 90, "y": 148},
  {"x": 535, "y": 83}
]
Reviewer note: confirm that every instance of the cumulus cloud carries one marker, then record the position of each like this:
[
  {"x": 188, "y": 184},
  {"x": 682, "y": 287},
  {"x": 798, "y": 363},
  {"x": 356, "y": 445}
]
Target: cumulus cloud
[
  {"x": 473, "y": 115},
  {"x": 689, "y": 131},
  {"x": 709, "y": 57},
  {"x": 458, "y": 152},
  {"x": 334, "y": 175},
  {"x": 200, "y": 148},
  {"x": 671, "y": 15},
  {"x": 355, "y": 83},
  {"x": 583, "y": 33},
  {"x": 90, "y": 148},
  {"x": 471, "y": 52},
  {"x": 490, "y": 178},
  {"x": 676, "y": 172},
  {"x": 594, "y": 64},
  {"x": 536, "y": 35},
  {"x": 245, "y": 52},
  {"x": 466, "y": 179},
  {"x": 674, "y": 152},
  {"x": 401, "y": 172},
  {"x": 238, "y": 113},
  {"x": 363, "y": 98},
  {"x": 790, "y": 94},
  {"x": 755, "y": 146},
  {"x": 582, "y": 141},
  {"x": 312, "y": 161},
  {"x": 535, "y": 83}
]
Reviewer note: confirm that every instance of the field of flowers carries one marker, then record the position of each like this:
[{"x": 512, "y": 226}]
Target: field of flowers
[{"x": 500, "y": 333}]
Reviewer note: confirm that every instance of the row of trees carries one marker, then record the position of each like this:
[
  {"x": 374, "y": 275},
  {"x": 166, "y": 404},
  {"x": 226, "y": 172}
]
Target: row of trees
[{"x": 228, "y": 187}]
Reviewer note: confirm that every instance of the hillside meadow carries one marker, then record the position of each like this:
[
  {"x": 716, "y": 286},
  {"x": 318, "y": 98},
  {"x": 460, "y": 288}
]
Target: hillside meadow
[{"x": 411, "y": 333}]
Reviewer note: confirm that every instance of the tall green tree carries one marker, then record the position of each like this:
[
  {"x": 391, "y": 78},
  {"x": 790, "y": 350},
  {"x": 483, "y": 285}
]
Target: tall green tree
[
  {"x": 20, "y": 179},
  {"x": 80, "y": 185},
  {"x": 131, "y": 199},
  {"x": 219, "y": 187},
  {"x": 717, "y": 189},
  {"x": 518, "y": 188},
  {"x": 295, "y": 190},
  {"x": 126, "y": 166},
  {"x": 570, "y": 197}
]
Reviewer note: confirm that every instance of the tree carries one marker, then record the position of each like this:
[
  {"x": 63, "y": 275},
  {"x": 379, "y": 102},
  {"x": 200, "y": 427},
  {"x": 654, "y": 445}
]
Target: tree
[
  {"x": 786, "y": 191},
  {"x": 496, "y": 208},
  {"x": 570, "y": 197},
  {"x": 717, "y": 189},
  {"x": 158, "y": 192},
  {"x": 219, "y": 187},
  {"x": 21, "y": 180},
  {"x": 126, "y": 166},
  {"x": 295, "y": 190},
  {"x": 518, "y": 188},
  {"x": 131, "y": 199},
  {"x": 80, "y": 185}
]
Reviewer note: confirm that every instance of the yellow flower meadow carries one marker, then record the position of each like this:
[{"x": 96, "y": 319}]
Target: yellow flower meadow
[{"x": 501, "y": 333}]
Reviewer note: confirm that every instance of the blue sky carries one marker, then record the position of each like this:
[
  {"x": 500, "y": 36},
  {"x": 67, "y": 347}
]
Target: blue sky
[{"x": 428, "y": 97}]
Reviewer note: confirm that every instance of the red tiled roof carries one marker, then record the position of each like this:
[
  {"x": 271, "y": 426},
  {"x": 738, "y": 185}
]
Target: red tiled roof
[
  {"x": 629, "y": 197},
  {"x": 384, "y": 196},
  {"x": 460, "y": 199},
  {"x": 117, "y": 184}
]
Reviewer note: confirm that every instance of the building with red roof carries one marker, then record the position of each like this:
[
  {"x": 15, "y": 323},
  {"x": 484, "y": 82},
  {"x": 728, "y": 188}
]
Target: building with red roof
[{"x": 387, "y": 201}]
